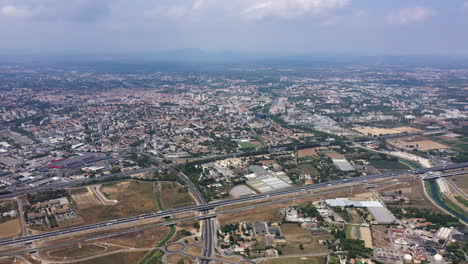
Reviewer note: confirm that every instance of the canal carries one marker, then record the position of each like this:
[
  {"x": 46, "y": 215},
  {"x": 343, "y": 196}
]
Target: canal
[{"x": 436, "y": 196}]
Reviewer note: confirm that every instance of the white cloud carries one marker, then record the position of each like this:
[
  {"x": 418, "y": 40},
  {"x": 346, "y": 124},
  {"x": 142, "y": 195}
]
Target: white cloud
[
  {"x": 465, "y": 5},
  {"x": 247, "y": 9},
  {"x": 411, "y": 15},
  {"x": 286, "y": 9},
  {"x": 84, "y": 11},
  {"x": 13, "y": 11}
]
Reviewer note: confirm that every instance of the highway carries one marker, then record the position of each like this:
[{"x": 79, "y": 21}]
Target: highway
[
  {"x": 204, "y": 207},
  {"x": 208, "y": 224}
]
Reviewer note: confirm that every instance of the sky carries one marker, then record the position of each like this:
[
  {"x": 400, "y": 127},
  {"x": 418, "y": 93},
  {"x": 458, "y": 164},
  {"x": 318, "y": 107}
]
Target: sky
[{"x": 259, "y": 26}]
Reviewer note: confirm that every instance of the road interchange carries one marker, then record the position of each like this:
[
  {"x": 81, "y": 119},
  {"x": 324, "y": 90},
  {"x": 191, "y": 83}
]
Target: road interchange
[{"x": 204, "y": 207}]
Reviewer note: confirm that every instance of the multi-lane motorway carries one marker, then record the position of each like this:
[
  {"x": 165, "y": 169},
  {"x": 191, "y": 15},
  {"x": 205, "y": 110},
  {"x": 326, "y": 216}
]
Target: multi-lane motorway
[{"x": 204, "y": 207}]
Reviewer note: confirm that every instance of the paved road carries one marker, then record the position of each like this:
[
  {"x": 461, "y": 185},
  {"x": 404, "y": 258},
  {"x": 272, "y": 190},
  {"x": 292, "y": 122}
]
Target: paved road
[
  {"x": 209, "y": 206},
  {"x": 24, "y": 227},
  {"x": 208, "y": 224}
]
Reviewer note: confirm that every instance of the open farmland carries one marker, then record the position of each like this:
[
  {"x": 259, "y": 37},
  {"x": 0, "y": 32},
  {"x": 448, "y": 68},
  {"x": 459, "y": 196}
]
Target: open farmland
[
  {"x": 309, "y": 152},
  {"x": 377, "y": 131},
  {"x": 295, "y": 236},
  {"x": 309, "y": 169},
  {"x": 385, "y": 166},
  {"x": 417, "y": 142},
  {"x": 459, "y": 143},
  {"x": 10, "y": 228},
  {"x": 133, "y": 198}
]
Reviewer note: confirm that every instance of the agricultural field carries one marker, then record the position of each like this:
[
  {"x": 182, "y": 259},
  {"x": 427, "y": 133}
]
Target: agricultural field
[
  {"x": 174, "y": 195},
  {"x": 133, "y": 198},
  {"x": 385, "y": 166},
  {"x": 247, "y": 145},
  {"x": 296, "y": 236},
  {"x": 416, "y": 142},
  {"x": 309, "y": 152},
  {"x": 10, "y": 228},
  {"x": 309, "y": 169},
  {"x": 302, "y": 260},
  {"x": 456, "y": 142},
  {"x": 377, "y": 131}
]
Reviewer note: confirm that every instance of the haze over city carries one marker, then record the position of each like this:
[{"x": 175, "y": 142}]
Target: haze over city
[
  {"x": 257, "y": 26},
  {"x": 233, "y": 132}
]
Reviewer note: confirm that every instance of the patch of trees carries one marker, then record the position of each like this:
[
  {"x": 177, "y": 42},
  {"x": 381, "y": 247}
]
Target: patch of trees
[
  {"x": 438, "y": 219},
  {"x": 46, "y": 196}
]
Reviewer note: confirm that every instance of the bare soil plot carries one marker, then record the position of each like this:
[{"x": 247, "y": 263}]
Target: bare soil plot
[
  {"x": 303, "y": 260},
  {"x": 377, "y": 131},
  {"x": 379, "y": 237},
  {"x": 265, "y": 213},
  {"x": 331, "y": 154},
  {"x": 85, "y": 198},
  {"x": 10, "y": 228},
  {"x": 194, "y": 250},
  {"x": 295, "y": 236},
  {"x": 418, "y": 142},
  {"x": 366, "y": 236},
  {"x": 461, "y": 181},
  {"x": 117, "y": 258},
  {"x": 354, "y": 216},
  {"x": 12, "y": 260},
  {"x": 134, "y": 198},
  {"x": 231, "y": 259},
  {"x": 140, "y": 239},
  {"x": 309, "y": 152},
  {"x": 76, "y": 251},
  {"x": 177, "y": 258}
]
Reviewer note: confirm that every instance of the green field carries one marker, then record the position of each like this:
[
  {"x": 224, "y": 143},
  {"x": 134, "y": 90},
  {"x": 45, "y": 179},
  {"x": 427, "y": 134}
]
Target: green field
[
  {"x": 247, "y": 145},
  {"x": 309, "y": 169},
  {"x": 459, "y": 144},
  {"x": 462, "y": 200},
  {"x": 388, "y": 165},
  {"x": 173, "y": 195}
]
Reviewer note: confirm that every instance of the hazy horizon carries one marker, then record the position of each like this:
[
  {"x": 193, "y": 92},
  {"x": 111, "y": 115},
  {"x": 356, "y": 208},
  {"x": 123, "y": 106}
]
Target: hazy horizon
[{"x": 294, "y": 27}]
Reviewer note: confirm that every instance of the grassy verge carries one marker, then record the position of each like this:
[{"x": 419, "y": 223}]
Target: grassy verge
[
  {"x": 158, "y": 201},
  {"x": 452, "y": 205},
  {"x": 168, "y": 237},
  {"x": 412, "y": 164},
  {"x": 462, "y": 200},
  {"x": 155, "y": 256}
]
